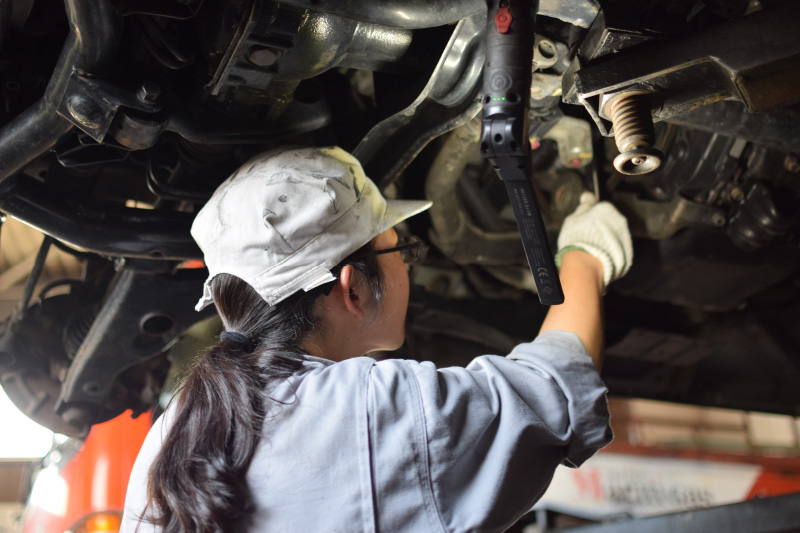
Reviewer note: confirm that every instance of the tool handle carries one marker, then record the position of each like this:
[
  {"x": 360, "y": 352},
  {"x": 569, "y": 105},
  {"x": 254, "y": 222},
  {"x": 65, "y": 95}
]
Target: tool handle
[
  {"x": 534, "y": 240},
  {"x": 504, "y": 135},
  {"x": 507, "y": 78}
]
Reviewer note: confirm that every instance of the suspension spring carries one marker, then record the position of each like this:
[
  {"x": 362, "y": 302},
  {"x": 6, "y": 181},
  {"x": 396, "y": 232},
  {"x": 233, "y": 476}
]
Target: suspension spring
[{"x": 633, "y": 133}]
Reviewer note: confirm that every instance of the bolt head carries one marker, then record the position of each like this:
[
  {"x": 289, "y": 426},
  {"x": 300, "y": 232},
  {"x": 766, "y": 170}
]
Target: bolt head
[
  {"x": 718, "y": 219},
  {"x": 647, "y": 160}
]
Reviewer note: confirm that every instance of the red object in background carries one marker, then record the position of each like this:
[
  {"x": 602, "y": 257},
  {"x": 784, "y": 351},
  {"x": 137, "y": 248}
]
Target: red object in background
[{"x": 87, "y": 494}]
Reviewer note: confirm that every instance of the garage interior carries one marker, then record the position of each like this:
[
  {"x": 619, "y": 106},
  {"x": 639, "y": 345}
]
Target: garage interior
[{"x": 119, "y": 117}]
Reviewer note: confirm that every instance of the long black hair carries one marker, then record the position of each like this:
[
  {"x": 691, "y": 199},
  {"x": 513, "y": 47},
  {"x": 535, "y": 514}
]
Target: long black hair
[{"x": 198, "y": 480}]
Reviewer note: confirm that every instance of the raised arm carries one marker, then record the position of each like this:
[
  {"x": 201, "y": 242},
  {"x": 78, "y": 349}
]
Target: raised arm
[
  {"x": 582, "y": 310},
  {"x": 594, "y": 249}
]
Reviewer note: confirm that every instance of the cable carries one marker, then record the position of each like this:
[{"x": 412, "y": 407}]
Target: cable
[
  {"x": 168, "y": 192},
  {"x": 38, "y": 266}
]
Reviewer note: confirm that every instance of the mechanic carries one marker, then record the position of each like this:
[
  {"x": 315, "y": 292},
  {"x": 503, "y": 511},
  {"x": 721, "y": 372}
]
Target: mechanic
[{"x": 281, "y": 426}]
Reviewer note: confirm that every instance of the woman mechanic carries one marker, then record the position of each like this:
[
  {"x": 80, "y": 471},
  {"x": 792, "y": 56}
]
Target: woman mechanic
[{"x": 281, "y": 426}]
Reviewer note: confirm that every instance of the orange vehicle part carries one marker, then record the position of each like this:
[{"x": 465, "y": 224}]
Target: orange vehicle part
[{"x": 87, "y": 493}]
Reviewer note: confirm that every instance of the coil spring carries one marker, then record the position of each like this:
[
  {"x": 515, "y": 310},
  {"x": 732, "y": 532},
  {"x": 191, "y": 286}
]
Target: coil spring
[{"x": 633, "y": 126}]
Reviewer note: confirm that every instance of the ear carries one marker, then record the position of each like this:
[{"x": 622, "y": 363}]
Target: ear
[{"x": 349, "y": 293}]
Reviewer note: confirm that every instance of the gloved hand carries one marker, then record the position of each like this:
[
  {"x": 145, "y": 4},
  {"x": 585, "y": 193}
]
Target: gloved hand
[{"x": 599, "y": 229}]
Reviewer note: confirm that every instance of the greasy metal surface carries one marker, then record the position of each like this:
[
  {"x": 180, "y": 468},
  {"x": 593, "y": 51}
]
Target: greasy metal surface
[
  {"x": 776, "y": 128},
  {"x": 114, "y": 232},
  {"x": 92, "y": 104},
  {"x": 449, "y": 99},
  {"x": 453, "y": 232},
  {"x": 612, "y": 31},
  {"x": 757, "y": 221},
  {"x": 218, "y": 127},
  {"x": 282, "y": 43},
  {"x": 661, "y": 220},
  {"x": 31, "y": 357},
  {"x": 700, "y": 268},
  {"x": 95, "y": 33},
  {"x": 183, "y": 9},
  {"x": 752, "y": 58},
  {"x": 128, "y": 330},
  {"x": 415, "y": 14}
]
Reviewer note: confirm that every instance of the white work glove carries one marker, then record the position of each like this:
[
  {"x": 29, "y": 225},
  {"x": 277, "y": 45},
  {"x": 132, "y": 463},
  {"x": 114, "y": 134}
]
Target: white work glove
[{"x": 599, "y": 229}]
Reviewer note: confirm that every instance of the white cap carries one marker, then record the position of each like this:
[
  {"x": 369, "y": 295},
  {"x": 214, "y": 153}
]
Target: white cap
[{"x": 286, "y": 218}]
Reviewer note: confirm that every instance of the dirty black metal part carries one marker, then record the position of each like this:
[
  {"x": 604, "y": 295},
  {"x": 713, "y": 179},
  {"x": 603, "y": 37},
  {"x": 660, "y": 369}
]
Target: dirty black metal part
[
  {"x": 283, "y": 43},
  {"x": 777, "y": 513},
  {"x": 504, "y": 136},
  {"x": 696, "y": 163},
  {"x": 449, "y": 99},
  {"x": 737, "y": 360},
  {"x": 137, "y": 131},
  {"x": 753, "y": 59},
  {"x": 143, "y": 314},
  {"x": 5, "y": 19},
  {"x": 93, "y": 103},
  {"x": 31, "y": 358},
  {"x": 118, "y": 232},
  {"x": 614, "y": 30},
  {"x": 776, "y": 128},
  {"x": 757, "y": 221},
  {"x": 454, "y": 233},
  {"x": 215, "y": 126},
  {"x": 79, "y": 150},
  {"x": 453, "y": 325},
  {"x": 95, "y": 33},
  {"x": 175, "y": 9},
  {"x": 696, "y": 268},
  {"x": 661, "y": 220},
  {"x": 416, "y": 14}
]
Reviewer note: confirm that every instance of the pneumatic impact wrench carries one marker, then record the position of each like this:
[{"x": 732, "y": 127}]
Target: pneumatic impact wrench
[{"x": 504, "y": 136}]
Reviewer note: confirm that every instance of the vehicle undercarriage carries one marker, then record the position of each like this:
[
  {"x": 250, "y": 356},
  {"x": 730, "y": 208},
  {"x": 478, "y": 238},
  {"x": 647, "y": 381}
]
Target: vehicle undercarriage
[{"x": 120, "y": 117}]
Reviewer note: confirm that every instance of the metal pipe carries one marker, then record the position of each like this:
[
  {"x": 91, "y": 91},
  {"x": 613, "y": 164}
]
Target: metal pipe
[
  {"x": 95, "y": 33},
  {"x": 418, "y": 14},
  {"x": 408, "y": 14},
  {"x": 118, "y": 232}
]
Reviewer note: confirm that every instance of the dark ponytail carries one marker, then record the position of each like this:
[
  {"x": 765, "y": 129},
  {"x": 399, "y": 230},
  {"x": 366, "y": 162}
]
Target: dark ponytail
[{"x": 198, "y": 480}]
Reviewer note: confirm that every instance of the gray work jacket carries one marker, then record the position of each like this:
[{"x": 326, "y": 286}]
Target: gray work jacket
[{"x": 398, "y": 445}]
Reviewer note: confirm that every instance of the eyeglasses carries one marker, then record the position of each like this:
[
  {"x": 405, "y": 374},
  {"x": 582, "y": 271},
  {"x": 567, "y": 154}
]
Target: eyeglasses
[{"x": 409, "y": 246}]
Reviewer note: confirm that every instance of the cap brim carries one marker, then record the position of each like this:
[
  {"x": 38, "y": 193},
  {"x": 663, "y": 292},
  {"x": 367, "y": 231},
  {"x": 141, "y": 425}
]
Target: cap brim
[{"x": 399, "y": 210}]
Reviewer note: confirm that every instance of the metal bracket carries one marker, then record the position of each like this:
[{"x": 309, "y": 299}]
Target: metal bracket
[
  {"x": 92, "y": 103},
  {"x": 752, "y": 59},
  {"x": 661, "y": 220},
  {"x": 143, "y": 314},
  {"x": 450, "y": 99}
]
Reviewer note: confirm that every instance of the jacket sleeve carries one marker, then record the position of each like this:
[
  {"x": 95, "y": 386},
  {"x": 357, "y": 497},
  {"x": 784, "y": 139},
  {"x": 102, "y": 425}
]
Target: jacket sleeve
[{"x": 494, "y": 432}]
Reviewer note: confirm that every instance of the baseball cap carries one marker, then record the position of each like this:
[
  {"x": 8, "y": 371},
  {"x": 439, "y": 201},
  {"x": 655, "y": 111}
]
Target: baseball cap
[{"x": 287, "y": 217}]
